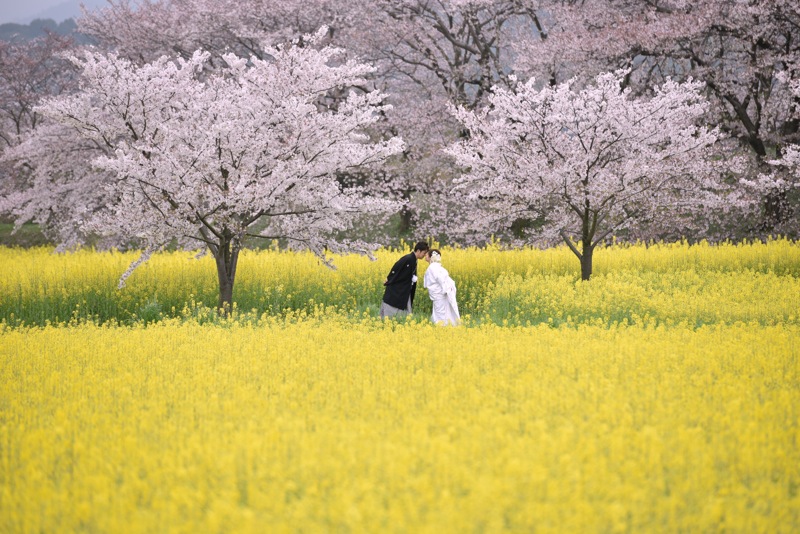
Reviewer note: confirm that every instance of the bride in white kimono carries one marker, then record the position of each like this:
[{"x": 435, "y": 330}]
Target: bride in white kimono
[{"x": 442, "y": 290}]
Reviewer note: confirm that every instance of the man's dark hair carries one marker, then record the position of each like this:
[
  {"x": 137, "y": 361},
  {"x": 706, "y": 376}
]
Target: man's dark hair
[{"x": 422, "y": 246}]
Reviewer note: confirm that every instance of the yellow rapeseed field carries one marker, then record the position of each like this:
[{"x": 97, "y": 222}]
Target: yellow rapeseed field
[
  {"x": 699, "y": 284},
  {"x": 662, "y": 396}
]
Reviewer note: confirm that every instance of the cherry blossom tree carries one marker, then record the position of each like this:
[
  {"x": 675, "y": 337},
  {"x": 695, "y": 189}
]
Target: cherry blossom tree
[
  {"x": 61, "y": 191},
  {"x": 247, "y": 150},
  {"x": 143, "y": 30},
  {"x": 462, "y": 46},
  {"x": 789, "y": 162},
  {"x": 587, "y": 163},
  {"x": 428, "y": 54},
  {"x": 29, "y": 71},
  {"x": 738, "y": 48},
  {"x": 431, "y": 54}
]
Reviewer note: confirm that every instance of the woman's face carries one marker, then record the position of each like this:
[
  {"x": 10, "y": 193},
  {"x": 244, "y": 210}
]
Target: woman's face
[{"x": 428, "y": 256}]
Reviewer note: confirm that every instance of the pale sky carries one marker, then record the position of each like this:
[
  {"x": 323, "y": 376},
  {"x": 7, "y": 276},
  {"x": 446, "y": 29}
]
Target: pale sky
[{"x": 23, "y": 11}]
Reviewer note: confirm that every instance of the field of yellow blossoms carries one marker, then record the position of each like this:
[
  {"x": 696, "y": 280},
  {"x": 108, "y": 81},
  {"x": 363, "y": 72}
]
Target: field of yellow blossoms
[{"x": 661, "y": 396}]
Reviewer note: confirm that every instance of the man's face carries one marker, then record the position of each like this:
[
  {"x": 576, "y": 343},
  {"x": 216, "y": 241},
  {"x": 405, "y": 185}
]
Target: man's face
[{"x": 420, "y": 254}]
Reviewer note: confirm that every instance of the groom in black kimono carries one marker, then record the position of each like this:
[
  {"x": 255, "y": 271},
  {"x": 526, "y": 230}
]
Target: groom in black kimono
[{"x": 401, "y": 283}]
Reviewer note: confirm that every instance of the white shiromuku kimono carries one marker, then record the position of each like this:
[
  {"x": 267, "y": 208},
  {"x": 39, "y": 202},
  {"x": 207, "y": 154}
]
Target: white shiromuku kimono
[{"x": 442, "y": 290}]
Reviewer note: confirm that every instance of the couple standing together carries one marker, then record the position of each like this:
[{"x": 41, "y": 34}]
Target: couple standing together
[{"x": 401, "y": 284}]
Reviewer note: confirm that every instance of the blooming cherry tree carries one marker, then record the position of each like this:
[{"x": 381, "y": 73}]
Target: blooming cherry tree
[
  {"x": 585, "y": 164},
  {"x": 61, "y": 191},
  {"x": 212, "y": 158},
  {"x": 738, "y": 48},
  {"x": 29, "y": 71},
  {"x": 428, "y": 53},
  {"x": 143, "y": 30},
  {"x": 788, "y": 181},
  {"x": 431, "y": 54}
]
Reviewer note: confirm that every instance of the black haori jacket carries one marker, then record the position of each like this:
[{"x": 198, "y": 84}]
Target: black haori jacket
[{"x": 399, "y": 286}]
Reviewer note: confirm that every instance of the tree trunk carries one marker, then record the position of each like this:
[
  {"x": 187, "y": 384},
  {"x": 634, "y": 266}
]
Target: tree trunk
[
  {"x": 584, "y": 256},
  {"x": 226, "y": 255},
  {"x": 406, "y": 218},
  {"x": 586, "y": 262},
  {"x": 777, "y": 209}
]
